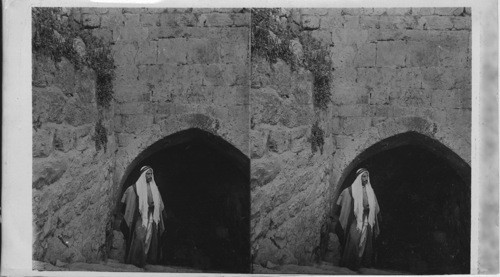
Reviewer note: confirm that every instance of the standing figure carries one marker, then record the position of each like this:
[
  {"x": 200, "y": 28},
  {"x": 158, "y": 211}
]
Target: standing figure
[
  {"x": 358, "y": 219},
  {"x": 143, "y": 222}
]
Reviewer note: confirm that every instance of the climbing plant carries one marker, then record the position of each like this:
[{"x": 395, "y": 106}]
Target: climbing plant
[
  {"x": 54, "y": 37},
  {"x": 271, "y": 38},
  {"x": 317, "y": 138}
]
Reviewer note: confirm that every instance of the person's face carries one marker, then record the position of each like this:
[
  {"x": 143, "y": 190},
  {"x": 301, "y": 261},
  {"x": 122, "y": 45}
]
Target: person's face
[
  {"x": 149, "y": 176},
  {"x": 364, "y": 178}
]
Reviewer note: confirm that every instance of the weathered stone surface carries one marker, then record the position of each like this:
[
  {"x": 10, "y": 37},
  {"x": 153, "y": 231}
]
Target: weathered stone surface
[
  {"x": 118, "y": 247},
  {"x": 48, "y": 104},
  {"x": 396, "y": 70},
  {"x": 263, "y": 172},
  {"x": 77, "y": 113},
  {"x": 310, "y": 22},
  {"x": 42, "y": 142},
  {"x": 391, "y": 53},
  {"x": 265, "y": 106},
  {"x": 172, "y": 51},
  {"x": 47, "y": 171},
  {"x": 147, "y": 52},
  {"x": 64, "y": 139}
]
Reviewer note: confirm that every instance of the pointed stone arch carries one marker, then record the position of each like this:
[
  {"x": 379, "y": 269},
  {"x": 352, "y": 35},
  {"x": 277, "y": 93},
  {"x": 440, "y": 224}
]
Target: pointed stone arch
[
  {"x": 439, "y": 200},
  {"x": 202, "y": 179}
]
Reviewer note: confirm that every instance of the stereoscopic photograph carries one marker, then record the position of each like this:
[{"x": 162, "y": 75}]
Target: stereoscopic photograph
[{"x": 252, "y": 140}]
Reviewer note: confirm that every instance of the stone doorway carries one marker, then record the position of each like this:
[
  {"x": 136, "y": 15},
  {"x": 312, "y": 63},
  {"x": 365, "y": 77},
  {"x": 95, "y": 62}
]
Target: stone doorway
[
  {"x": 423, "y": 190},
  {"x": 204, "y": 182}
]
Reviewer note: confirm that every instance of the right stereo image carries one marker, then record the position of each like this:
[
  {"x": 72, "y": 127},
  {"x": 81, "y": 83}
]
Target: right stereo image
[{"x": 360, "y": 141}]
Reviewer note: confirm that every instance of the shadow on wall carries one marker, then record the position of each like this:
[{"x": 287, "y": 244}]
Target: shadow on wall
[
  {"x": 423, "y": 189},
  {"x": 204, "y": 183}
]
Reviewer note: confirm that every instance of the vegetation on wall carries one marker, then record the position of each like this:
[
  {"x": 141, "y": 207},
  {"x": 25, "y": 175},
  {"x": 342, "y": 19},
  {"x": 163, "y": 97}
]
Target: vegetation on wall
[
  {"x": 58, "y": 36},
  {"x": 100, "y": 137},
  {"x": 317, "y": 138},
  {"x": 54, "y": 37},
  {"x": 271, "y": 37}
]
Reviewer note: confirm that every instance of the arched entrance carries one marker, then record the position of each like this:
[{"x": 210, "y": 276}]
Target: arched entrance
[
  {"x": 423, "y": 190},
  {"x": 204, "y": 182}
]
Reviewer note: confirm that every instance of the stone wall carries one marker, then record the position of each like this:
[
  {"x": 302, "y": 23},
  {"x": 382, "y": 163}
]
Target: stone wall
[
  {"x": 72, "y": 177},
  {"x": 175, "y": 69},
  {"x": 289, "y": 176},
  {"x": 394, "y": 70},
  {"x": 178, "y": 69},
  {"x": 399, "y": 70}
]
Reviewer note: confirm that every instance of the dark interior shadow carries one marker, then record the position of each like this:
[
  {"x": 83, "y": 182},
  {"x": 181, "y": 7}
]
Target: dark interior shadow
[
  {"x": 204, "y": 183},
  {"x": 423, "y": 189}
]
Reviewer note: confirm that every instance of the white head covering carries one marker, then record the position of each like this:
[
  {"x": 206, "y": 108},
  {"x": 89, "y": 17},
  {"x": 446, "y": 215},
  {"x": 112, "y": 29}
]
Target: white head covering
[
  {"x": 357, "y": 195},
  {"x": 142, "y": 193}
]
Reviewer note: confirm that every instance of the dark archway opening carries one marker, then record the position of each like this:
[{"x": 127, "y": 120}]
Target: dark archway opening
[
  {"x": 204, "y": 182},
  {"x": 423, "y": 190}
]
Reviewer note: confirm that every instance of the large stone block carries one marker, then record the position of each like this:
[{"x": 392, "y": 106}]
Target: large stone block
[
  {"x": 147, "y": 52},
  {"x": 91, "y": 20},
  {"x": 151, "y": 75},
  {"x": 315, "y": 11},
  {"x": 48, "y": 171},
  {"x": 265, "y": 106},
  {"x": 85, "y": 85},
  {"x": 355, "y": 125},
  {"x": 406, "y": 78},
  {"x": 366, "y": 56},
  {"x": 42, "y": 142},
  {"x": 43, "y": 71},
  {"x": 118, "y": 247},
  {"x": 241, "y": 19},
  {"x": 293, "y": 115},
  {"x": 325, "y": 37},
  {"x": 371, "y": 77},
  {"x": 65, "y": 76},
  {"x": 48, "y": 104},
  {"x": 448, "y": 99},
  {"x": 278, "y": 141},
  {"x": 77, "y": 114},
  {"x": 343, "y": 57},
  {"x": 132, "y": 30},
  {"x": 150, "y": 19},
  {"x": 375, "y": 35},
  {"x": 422, "y": 53},
  {"x": 422, "y": 11},
  {"x": 258, "y": 140},
  {"x": 217, "y": 20},
  {"x": 391, "y": 53},
  {"x": 349, "y": 95},
  {"x": 353, "y": 11},
  {"x": 448, "y": 11},
  {"x": 461, "y": 23},
  {"x": 235, "y": 52},
  {"x": 64, "y": 139},
  {"x": 351, "y": 22},
  {"x": 172, "y": 51},
  {"x": 435, "y": 23},
  {"x": 203, "y": 51},
  {"x": 454, "y": 48},
  {"x": 263, "y": 172},
  {"x": 369, "y": 22},
  {"x": 124, "y": 54},
  {"x": 398, "y": 11},
  {"x": 416, "y": 98},
  {"x": 332, "y": 22},
  {"x": 310, "y": 22},
  {"x": 446, "y": 78},
  {"x": 136, "y": 124}
]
